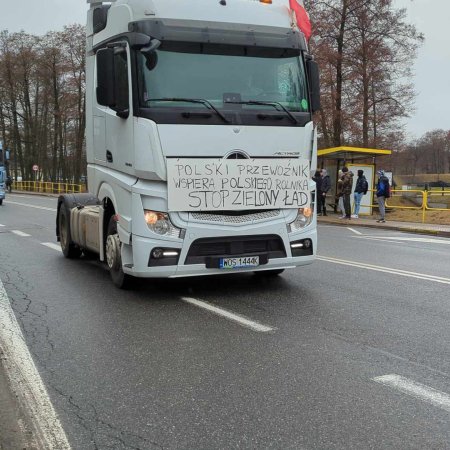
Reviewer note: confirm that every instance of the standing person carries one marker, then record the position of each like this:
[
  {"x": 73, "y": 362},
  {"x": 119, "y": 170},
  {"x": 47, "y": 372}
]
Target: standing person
[
  {"x": 326, "y": 186},
  {"x": 340, "y": 194},
  {"x": 318, "y": 179},
  {"x": 361, "y": 189},
  {"x": 347, "y": 186},
  {"x": 383, "y": 192},
  {"x": 9, "y": 183}
]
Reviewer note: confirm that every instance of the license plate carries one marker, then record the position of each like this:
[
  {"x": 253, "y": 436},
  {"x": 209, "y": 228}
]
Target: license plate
[{"x": 238, "y": 263}]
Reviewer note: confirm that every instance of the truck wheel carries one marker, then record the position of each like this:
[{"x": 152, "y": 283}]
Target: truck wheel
[
  {"x": 269, "y": 273},
  {"x": 1, "y": 201},
  {"x": 69, "y": 249},
  {"x": 113, "y": 257}
]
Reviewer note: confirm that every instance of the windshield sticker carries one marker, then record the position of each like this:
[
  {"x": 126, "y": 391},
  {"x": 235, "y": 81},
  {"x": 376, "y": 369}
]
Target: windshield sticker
[{"x": 304, "y": 104}]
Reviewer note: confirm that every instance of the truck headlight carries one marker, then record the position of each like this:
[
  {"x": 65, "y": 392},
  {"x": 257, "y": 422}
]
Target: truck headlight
[
  {"x": 304, "y": 218},
  {"x": 160, "y": 224}
]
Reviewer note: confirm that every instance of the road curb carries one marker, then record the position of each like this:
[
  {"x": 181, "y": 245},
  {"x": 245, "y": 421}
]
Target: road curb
[
  {"x": 405, "y": 229},
  {"x": 37, "y": 194}
]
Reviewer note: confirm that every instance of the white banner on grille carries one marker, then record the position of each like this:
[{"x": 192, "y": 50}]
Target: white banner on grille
[{"x": 237, "y": 184}]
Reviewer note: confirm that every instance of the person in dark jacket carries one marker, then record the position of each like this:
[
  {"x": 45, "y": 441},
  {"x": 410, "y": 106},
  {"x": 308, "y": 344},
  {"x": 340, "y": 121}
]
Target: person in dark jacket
[
  {"x": 318, "y": 179},
  {"x": 361, "y": 189},
  {"x": 326, "y": 186},
  {"x": 382, "y": 193},
  {"x": 347, "y": 186},
  {"x": 340, "y": 194}
]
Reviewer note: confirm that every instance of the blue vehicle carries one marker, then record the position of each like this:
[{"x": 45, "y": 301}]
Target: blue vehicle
[{"x": 2, "y": 184}]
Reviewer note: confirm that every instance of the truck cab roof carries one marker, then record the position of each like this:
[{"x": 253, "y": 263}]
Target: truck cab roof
[{"x": 248, "y": 16}]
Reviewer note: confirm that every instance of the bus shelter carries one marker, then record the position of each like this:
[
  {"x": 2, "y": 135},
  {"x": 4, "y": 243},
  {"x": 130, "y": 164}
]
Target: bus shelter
[{"x": 355, "y": 158}]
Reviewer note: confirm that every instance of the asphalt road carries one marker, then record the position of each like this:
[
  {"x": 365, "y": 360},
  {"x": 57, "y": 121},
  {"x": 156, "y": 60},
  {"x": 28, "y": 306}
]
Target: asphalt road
[{"x": 355, "y": 353}]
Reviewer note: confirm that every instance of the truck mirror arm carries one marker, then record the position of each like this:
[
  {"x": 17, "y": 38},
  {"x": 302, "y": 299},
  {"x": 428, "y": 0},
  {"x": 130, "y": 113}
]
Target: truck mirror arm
[
  {"x": 123, "y": 114},
  {"x": 152, "y": 47}
]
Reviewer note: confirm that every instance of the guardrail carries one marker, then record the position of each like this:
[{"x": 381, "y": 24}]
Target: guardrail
[
  {"x": 423, "y": 201},
  {"x": 48, "y": 187}
]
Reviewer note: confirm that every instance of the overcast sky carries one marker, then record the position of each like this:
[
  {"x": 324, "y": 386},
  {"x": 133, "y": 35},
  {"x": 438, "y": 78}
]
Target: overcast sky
[{"x": 432, "y": 69}]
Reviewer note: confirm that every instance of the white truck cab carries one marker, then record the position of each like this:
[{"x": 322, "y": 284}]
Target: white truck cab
[{"x": 200, "y": 140}]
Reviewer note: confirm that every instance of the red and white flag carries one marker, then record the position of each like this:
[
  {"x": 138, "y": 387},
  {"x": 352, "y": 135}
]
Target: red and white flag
[{"x": 303, "y": 22}]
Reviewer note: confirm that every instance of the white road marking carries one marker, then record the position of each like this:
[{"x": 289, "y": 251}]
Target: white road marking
[
  {"x": 372, "y": 238},
  {"x": 26, "y": 382},
  {"x": 408, "y": 239},
  {"x": 404, "y": 273},
  {"x": 52, "y": 245},
  {"x": 45, "y": 208},
  {"x": 20, "y": 233},
  {"x": 418, "y": 390},
  {"x": 255, "y": 326},
  {"x": 354, "y": 231},
  {"x": 1, "y": 225}
]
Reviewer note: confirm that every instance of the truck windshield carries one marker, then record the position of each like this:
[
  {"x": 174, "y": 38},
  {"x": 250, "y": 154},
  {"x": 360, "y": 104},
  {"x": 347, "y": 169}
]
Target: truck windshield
[{"x": 227, "y": 81}]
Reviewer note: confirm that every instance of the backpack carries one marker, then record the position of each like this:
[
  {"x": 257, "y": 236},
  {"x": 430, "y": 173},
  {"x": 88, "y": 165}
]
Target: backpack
[{"x": 387, "y": 187}]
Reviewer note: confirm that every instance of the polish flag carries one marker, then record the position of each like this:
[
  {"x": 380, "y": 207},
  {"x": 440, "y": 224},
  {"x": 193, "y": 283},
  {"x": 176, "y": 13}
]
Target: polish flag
[{"x": 303, "y": 21}]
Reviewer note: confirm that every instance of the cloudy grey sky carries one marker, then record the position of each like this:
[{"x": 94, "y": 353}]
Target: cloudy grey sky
[{"x": 432, "y": 69}]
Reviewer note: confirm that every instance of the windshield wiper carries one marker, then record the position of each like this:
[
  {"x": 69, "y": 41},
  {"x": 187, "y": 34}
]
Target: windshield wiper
[
  {"x": 274, "y": 104},
  {"x": 201, "y": 101}
]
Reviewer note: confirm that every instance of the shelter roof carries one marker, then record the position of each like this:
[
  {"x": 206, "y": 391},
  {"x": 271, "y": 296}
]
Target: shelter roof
[{"x": 351, "y": 153}]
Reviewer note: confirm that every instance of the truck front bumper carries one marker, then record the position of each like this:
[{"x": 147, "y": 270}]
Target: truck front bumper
[{"x": 137, "y": 258}]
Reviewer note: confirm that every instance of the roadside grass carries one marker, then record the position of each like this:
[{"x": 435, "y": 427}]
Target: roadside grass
[
  {"x": 409, "y": 215},
  {"x": 398, "y": 209}
]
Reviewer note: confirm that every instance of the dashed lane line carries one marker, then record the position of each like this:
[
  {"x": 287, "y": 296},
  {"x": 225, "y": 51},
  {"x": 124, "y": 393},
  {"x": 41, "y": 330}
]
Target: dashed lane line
[
  {"x": 243, "y": 321},
  {"x": 414, "y": 389},
  {"x": 52, "y": 245},
  {"x": 45, "y": 208},
  {"x": 391, "y": 271},
  {"x": 20, "y": 233},
  {"x": 26, "y": 381}
]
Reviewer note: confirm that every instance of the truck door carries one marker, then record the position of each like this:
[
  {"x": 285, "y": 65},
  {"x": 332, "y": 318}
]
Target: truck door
[{"x": 119, "y": 121}]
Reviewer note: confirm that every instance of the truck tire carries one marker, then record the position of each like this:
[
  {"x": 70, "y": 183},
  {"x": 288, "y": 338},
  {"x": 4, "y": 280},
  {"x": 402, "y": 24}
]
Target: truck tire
[
  {"x": 1, "y": 201},
  {"x": 69, "y": 249},
  {"x": 113, "y": 258}
]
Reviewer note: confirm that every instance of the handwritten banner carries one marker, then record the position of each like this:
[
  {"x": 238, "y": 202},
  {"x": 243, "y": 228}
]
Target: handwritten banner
[{"x": 237, "y": 184}]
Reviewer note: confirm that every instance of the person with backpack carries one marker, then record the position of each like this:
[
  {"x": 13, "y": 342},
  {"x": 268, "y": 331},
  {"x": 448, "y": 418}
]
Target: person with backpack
[
  {"x": 383, "y": 192},
  {"x": 361, "y": 189}
]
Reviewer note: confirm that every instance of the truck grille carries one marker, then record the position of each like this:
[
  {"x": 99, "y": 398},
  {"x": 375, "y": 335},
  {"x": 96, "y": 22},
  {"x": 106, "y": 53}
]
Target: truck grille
[
  {"x": 226, "y": 217},
  {"x": 201, "y": 249}
]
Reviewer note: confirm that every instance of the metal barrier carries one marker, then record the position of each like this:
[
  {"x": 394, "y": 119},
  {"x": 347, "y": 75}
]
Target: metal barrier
[
  {"x": 48, "y": 187},
  {"x": 424, "y": 201}
]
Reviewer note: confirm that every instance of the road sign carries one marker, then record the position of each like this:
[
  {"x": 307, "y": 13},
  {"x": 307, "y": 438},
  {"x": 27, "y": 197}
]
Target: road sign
[{"x": 35, "y": 167}]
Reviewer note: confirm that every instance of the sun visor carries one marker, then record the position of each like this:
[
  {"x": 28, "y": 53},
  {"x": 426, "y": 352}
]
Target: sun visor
[{"x": 221, "y": 33}]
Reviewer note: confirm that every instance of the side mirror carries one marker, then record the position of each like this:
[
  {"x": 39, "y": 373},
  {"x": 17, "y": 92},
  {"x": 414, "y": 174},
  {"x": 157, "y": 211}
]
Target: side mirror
[
  {"x": 314, "y": 84},
  {"x": 149, "y": 52},
  {"x": 112, "y": 80},
  {"x": 100, "y": 18},
  {"x": 105, "y": 77}
]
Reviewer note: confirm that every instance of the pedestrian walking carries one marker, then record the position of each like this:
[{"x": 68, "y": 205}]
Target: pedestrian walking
[
  {"x": 383, "y": 192},
  {"x": 340, "y": 194},
  {"x": 361, "y": 189},
  {"x": 326, "y": 186},
  {"x": 347, "y": 179},
  {"x": 318, "y": 179}
]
